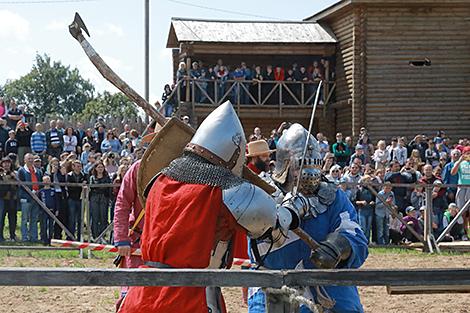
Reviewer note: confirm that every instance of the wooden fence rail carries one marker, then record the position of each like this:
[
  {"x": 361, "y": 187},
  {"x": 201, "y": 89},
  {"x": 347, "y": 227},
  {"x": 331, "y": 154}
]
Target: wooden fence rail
[{"x": 230, "y": 278}]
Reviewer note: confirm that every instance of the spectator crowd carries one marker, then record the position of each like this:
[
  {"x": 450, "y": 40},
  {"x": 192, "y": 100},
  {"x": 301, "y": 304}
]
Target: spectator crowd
[
  {"x": 353, "y": 163},
  {"x": 43, "y": 156},
  {"x": 221, "y": 77}
]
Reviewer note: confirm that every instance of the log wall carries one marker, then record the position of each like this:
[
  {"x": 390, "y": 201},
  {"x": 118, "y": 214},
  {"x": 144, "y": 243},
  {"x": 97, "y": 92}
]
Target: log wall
[
  {"x": 343, "y": 28},
  {"x": 406, "y": 100}
]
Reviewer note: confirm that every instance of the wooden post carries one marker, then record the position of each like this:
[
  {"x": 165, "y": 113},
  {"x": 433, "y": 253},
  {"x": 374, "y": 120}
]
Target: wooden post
[
  {"x": 216, "y": 92},
  {"x": 82, "y": 220},
  {"x": 302, "y": 93},
  {"x": 280, "y": 99},
  {"x": 86, "y": 201},
  {"x": 428, "y": 217},
  {"x": 188, "y": 71},
  {"x": 238, "y": 96},
  {"x": 259, "y": 93}
]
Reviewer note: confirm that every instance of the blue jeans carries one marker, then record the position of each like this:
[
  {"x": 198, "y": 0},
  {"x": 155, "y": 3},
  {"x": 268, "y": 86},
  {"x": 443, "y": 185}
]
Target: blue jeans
[
  {"x": 74, "y": 217},
  {"x": 29, "y": 220},
  {"x": 383, "y": 226},
  {"x": 46, "y": 227},
  {"x": 365, "y": 221},
  {"x": 2, "y": 218},
  {"x": 168, "y": 110}
]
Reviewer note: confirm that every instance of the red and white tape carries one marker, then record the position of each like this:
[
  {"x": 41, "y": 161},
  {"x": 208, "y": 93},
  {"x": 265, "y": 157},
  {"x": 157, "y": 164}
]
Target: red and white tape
[
  {"x": 113, "y": 249},
  {"x": 88, "y": 245}
]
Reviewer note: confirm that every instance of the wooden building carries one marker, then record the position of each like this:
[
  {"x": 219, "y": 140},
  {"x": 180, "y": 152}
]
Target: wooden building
[
  {"x": 402, "y": 67},
  {"x": 264, "y": 104}
]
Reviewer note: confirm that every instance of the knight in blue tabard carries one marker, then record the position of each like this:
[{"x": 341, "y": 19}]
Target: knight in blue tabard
[{"x": 330, "y": 219}]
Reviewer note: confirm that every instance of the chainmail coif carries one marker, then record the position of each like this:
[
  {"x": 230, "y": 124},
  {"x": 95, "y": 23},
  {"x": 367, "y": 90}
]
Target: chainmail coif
[{"x": 193, "y": 169}]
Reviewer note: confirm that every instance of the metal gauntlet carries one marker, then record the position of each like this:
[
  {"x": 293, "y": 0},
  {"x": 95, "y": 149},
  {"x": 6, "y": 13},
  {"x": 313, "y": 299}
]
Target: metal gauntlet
[
  {"x": 298, "y": 205},
  {"x": 335, "y": 249}
]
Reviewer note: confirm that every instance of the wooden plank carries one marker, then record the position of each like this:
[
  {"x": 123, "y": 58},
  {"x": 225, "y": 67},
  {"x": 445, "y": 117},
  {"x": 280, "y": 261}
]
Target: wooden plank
[
  {"x": 229, "y": 278},
  {"x": 414, "y": 290}
]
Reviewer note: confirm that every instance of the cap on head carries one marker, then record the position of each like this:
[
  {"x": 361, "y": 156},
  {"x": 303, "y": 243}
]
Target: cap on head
[{"x": 410, "y": 209}]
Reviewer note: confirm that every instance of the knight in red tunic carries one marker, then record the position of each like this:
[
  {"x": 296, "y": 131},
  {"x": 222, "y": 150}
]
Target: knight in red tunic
[{"x": 193, "y": 212}]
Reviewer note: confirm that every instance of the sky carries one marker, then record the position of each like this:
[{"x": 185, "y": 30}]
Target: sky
[{"x": 116, "y": 27}]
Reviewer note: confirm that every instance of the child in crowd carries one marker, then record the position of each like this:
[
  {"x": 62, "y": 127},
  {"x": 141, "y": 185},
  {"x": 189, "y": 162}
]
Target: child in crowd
[
  {"x": 457, "y": 231},
  {"x": 411, "y": 220},
  {"x": 48, "y": 197},
  {"x": 11, "y": 145},
  {"x": 86, "y": 152},
  {"x": 382, "y": 219},
  {"x": 418, "y": 197}
]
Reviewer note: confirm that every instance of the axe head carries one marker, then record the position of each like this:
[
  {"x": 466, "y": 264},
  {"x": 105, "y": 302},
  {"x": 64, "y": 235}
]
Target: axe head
[{"x": 76, "y": 27}]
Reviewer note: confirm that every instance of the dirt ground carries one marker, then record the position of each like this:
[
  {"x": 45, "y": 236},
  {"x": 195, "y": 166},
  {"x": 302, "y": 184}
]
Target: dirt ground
[{"x": 99, "y": 299}]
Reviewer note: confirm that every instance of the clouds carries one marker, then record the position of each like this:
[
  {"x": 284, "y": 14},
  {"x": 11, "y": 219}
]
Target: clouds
[
  {"x": 13, "y": 26},
  {"x": 109, "y": 29},
  {"x": 56, "y": 25}
]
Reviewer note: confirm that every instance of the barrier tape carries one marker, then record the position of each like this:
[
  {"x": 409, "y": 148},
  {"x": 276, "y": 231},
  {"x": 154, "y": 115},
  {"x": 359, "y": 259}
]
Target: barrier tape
[{"x": 113, "y": 249}]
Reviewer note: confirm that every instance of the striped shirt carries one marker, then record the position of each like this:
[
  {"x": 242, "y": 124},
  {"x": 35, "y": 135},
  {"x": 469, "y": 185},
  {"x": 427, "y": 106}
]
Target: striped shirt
[{"x": 38, "y": 142}]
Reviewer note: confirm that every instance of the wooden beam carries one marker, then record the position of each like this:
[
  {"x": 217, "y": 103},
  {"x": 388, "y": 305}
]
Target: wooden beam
[
  {"x": 416, "y": 290},
  {"x": 229, "y": 278}
]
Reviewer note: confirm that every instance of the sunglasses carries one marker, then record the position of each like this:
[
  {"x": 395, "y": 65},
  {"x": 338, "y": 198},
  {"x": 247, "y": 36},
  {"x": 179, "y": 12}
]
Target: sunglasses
[{"x": 335, "y": 171}]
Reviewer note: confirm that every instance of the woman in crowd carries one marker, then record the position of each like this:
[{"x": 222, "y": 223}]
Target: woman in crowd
[
  {"x": 117, "y": 180},
  {"x": 166, "y": 101},
  {"x": 3, "y": 108},
  {"x": 110, "y": 163},
  {"x": 99, "y": 199},
  {"x": 127, "y": 148},
  {"x": 88, "y": 138},
  {"x": 335, "y": 174},
  {"x": 381, "y": 156},
  {"x": 9, "y": 198},
  {"x": 111, "y": 143},
  {"x": 70, "y": 140},
  {"x": 416, "y": 157},
  {"x": 23, "y": 137}
]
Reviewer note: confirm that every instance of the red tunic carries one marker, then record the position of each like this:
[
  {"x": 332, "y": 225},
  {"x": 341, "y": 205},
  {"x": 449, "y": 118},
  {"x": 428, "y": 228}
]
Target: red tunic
[{"x": 182, "y": 223}]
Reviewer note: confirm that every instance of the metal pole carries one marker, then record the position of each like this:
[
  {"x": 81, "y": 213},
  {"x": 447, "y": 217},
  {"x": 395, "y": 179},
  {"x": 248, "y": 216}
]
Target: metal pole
[{"x": 147, "y": 53}]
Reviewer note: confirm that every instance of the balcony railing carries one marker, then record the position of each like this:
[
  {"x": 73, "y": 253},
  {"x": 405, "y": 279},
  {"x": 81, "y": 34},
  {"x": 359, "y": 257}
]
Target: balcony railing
[{"x": 248, "y": 92}]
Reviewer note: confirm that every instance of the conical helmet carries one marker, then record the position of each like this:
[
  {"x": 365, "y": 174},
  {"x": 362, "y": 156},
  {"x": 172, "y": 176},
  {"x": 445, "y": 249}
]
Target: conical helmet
[{"x": 220, "y": 139}]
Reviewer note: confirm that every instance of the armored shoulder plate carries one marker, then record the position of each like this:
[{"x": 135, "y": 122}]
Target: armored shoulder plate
[{"x": 252, "y": 208}]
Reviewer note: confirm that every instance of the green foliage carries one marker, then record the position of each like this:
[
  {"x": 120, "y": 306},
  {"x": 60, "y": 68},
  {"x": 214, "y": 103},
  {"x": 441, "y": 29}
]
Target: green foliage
[
  {"x": 107, "y": 104},
  {"x": 50, "y": 88}
]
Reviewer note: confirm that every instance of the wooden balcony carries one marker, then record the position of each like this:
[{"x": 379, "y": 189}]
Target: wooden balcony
[{"x": 252, "y": 99}]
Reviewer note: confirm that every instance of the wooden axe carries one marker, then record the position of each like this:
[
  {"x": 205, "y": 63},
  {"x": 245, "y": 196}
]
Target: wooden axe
[{"x": 75, "y": 30}]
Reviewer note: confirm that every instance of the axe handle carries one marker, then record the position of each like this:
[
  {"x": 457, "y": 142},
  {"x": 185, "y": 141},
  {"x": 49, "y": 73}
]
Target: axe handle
[{"x": 114, "y": 79}]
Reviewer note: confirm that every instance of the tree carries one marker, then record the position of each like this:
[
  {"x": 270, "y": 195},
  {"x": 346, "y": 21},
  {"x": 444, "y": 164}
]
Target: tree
[
  {"x": 107, "y": 104},
  {"x": 51, "y": 88}
]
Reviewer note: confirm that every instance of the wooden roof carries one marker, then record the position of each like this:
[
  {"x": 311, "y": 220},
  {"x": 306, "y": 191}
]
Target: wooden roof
[
  {"x": 224, "y": 31},
  {"x": 343, "y": 4}
]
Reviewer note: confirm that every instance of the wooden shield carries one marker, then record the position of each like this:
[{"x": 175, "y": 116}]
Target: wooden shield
[{"x": 168, "y": 145}]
